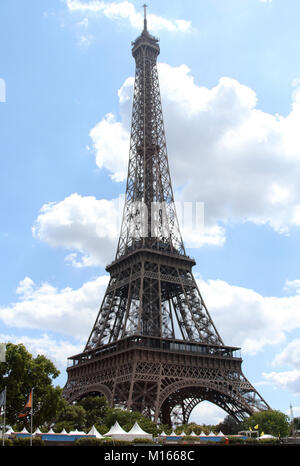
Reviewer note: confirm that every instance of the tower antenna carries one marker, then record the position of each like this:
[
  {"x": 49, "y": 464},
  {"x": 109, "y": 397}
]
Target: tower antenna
[{"x": 145, "y": 17}]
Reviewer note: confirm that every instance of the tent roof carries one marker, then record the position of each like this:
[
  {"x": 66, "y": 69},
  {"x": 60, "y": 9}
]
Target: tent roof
[
  {"x": 266, "y": 436},
  {"x": 220, "y": 434},
  {"x": 116, "y": 429},
  {"x": 95, "y": 432},
  {"x": 136, "y": 429},
  {"x": 211, "y": 434},
  {"x": 192, "y": 434},
  {"x": 203, "y": 434}
]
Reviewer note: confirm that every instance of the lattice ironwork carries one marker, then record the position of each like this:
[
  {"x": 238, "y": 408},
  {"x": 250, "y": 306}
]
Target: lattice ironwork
[{"x": 154, "y": 347}]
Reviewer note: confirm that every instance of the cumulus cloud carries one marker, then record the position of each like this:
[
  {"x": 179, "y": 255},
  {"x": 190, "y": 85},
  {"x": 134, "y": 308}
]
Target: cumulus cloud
[
  {"x": 245, "y": 166},
  {"x": 245, "y": 161},
  {"x": 289, "y": 380},
  {"x": 57, "y": 351},
  {"x": 110, "y": 142},
  {"x": 290, "y": 355},
  {"x": 88, "y": 227},
  {"x": 244, "y": 318},
  {"x": 67, "y": 311},
  {"x": 207, "y": 413},
  {"x": 247, "y": 319},
  {"x": 125, "y": 10}
]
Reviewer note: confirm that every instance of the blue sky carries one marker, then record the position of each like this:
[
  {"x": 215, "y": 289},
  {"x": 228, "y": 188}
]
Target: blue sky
[{"x": 230, "y": 85}]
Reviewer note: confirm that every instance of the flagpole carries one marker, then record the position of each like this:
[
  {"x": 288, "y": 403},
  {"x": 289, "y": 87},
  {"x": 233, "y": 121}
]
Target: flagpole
[
  {"x": 31, "y": 417},
  {"x": 4, "y": 420}
]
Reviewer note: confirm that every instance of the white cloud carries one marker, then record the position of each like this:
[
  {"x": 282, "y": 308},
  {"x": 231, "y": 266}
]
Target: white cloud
[
  {"x": 57, "y": 351},
  {"x": 111, "y": 142},
  {"x": 244, "y": 318},
  {"x": 247, "y": 319},
  {"x": 207, "y": 413},
  {"x": 290, "y": 355},
  {"x": 90, "y": 228},
  {"x": 292, "y": 285},
  {"x": 66, "y": 311},
  {"x": 125, "y": 10},
  {"x": 84, "y": 225},
  {"x": 245, "y": 162},
  {"x": 288, "y": 380}
]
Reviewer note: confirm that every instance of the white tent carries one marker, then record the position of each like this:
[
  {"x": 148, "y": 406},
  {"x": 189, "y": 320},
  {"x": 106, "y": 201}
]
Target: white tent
[
  {"x": 220, "y": 434},
  {"x": 266, "y": 436},
  {"x": 211, "y": 434},
  {"x": 77, "y": 432},
  {"x": 24, "y": 431},
  {"x": 64, "y": 432},
  {"x": 163, "y": 434},
  {"x": 116, "y": 432},
  {"x": 182, "y": 434},
  {"x": 37, "y": 431},
  {"x": 138, "y": 432},
  {"x": 192, "y": 434},
  {"x": 74, "y": 432},
  {"x": 172, "y": 434},
  {"x": 95, "y": 432},
  {"x": 202, "y": 434},
  {"x": 8, "y": 433},
  {"x": 51, "y": 431}
]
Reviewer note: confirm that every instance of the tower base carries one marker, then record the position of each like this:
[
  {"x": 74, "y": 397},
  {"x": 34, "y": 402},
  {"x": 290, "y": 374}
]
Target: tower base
[{"x": 164, "y": 379}]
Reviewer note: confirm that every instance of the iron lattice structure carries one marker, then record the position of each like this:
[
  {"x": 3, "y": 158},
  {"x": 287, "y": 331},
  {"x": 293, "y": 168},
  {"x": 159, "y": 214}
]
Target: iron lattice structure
[{"x": 154, "y": 347}]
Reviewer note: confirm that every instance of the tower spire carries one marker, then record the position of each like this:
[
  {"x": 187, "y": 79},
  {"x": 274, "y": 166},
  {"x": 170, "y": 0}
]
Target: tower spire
[{"x": 145, "y": 17}]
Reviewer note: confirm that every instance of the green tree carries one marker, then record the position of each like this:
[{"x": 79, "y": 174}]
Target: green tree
[
  {"x": 96, "y": 408},
  {"x": 70, "y": 417},
  {"x": 123, "y": 417},
  {"x": 270, "y": 422},
  {"x": 229, "y": 426},
  {"x": 20, "y": 373}
]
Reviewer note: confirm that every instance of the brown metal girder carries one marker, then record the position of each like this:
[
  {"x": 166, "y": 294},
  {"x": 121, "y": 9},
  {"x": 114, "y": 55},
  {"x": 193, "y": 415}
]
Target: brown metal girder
[{"x": 157, "y": 256}]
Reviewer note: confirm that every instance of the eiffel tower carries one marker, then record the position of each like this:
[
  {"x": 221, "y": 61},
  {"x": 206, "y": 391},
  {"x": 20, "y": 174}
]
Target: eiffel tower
[{"x": 154, "y": 347}]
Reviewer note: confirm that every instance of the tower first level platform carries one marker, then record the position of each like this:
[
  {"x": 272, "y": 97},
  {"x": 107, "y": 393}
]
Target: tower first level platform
[{"x": 166, "y": 376}]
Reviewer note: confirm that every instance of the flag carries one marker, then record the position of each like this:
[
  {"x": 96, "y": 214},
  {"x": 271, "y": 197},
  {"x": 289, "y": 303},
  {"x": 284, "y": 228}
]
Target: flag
[
  {"x": 3, "y": 397},
  {"x": 256, "y": 427},
  {"x": 27, "y": 408},
  {"x": 2, "y": 401},
  {"x": 2, "y": 352}
]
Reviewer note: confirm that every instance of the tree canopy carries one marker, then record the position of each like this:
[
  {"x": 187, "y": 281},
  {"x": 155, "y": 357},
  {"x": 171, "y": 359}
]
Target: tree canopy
[
  {"x": 270, "y": 422},
  {"x": 20, "y": 373}
]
